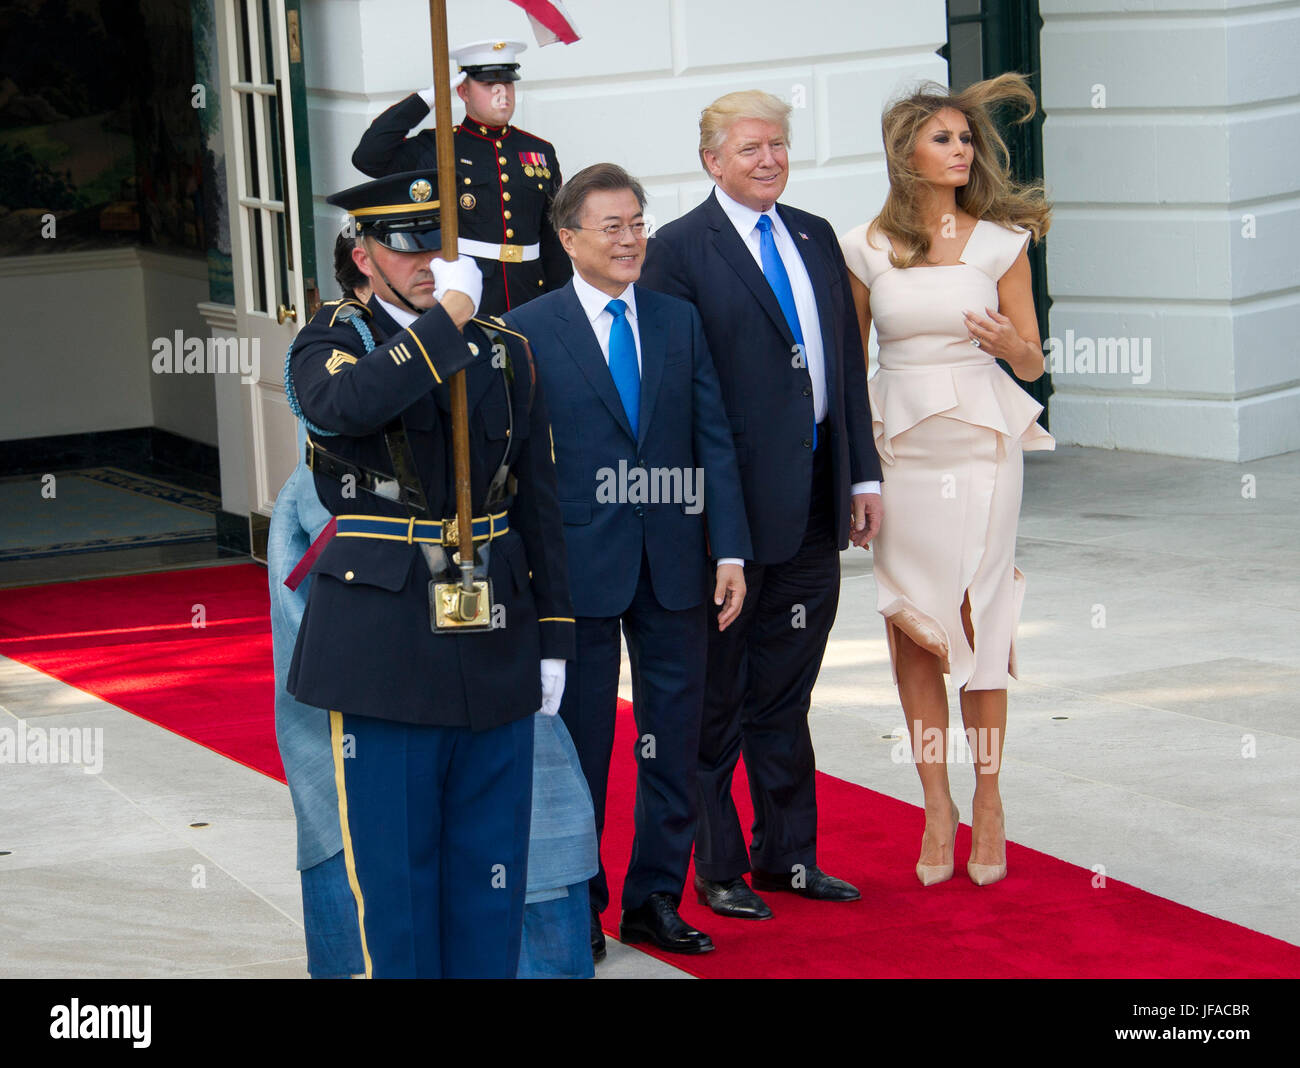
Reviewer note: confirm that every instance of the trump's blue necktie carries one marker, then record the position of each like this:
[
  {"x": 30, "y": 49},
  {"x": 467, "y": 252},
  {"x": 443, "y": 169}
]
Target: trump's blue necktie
[
  {"x": 775, "y": 273},
  {"x": 622, "y": 362}
]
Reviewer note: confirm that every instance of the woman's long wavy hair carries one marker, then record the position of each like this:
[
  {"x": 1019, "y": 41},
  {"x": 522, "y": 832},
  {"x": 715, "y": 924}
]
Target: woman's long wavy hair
[{"x": 991, "y": 193}]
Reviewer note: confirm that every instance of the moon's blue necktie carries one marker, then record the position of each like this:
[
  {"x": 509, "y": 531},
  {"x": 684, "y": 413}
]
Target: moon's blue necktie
[
  {"x": 622, "y": 362},
  {"x": 775, "y": 273}
]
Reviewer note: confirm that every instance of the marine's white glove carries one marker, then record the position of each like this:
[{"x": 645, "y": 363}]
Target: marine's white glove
[
  {"x": 462, "y": 276},
  {"x": 427, "y": 95},
  {"x": 552, "y": 686}
]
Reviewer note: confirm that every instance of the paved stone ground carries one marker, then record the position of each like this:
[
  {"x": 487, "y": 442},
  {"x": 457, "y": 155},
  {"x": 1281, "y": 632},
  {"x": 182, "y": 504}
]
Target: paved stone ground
[{"x": 1198, "y": 662}]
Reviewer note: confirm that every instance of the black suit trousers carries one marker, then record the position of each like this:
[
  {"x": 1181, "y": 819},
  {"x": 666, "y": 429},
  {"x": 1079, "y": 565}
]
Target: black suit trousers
[
  {"x": 761, "y": 672},
  {"x": 667, "y": 653}
]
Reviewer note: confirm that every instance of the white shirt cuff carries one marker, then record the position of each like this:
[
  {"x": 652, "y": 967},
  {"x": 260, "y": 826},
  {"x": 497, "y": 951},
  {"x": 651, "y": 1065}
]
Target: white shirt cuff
[
  {"x": 864, "y": 487},
  {"x": 730, "y": 560}
]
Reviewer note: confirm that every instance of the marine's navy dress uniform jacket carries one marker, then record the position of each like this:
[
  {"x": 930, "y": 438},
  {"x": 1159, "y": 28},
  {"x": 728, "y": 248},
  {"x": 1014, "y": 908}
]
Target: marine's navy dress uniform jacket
[
  {"x": 366, "y": 646},
  {"x": 497, "y": 200}
]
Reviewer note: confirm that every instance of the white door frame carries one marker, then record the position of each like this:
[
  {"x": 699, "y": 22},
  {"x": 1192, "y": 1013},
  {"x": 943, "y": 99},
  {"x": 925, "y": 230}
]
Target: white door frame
[{"x": 265, "y": 240}]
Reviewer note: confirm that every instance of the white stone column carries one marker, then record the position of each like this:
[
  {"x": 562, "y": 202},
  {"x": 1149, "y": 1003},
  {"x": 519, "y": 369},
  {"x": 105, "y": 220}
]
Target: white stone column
[{"x": 1172, "y": 145}]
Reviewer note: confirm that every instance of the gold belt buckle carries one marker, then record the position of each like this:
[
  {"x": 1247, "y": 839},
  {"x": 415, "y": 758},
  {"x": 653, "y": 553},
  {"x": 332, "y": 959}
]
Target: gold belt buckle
[{"x": 512, "y": 253}]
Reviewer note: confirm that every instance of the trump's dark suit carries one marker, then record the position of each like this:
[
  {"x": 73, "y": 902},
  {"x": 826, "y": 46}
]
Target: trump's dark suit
[
  {"x": 640, "y": 557},
  {"x": 797, "y": 499}
]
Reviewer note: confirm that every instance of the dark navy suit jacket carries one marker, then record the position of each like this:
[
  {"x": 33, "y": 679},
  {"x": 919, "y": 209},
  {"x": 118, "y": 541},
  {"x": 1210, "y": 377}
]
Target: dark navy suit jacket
[
  {"x": 767, "y": 392},
  {"x": 682, "y": 431}
]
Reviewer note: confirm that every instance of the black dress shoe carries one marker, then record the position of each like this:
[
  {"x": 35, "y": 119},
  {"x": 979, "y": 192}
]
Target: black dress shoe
[
  {"x": 813, "y": 884},
  {"x": 657, "y": 922},
  {"x": 597, "y": 938},
  {"x": 732, "y": 898}
]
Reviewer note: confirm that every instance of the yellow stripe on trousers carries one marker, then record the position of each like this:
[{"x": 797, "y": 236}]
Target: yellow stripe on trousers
[{"x": 336, "y": 743}]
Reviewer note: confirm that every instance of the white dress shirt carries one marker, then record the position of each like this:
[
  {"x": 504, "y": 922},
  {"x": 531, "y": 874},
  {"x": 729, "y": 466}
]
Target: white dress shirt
[
  {"x": 745, "y": 220},
  {"x": 593, "y": 303},
  {"x": 400, "y": 316}
]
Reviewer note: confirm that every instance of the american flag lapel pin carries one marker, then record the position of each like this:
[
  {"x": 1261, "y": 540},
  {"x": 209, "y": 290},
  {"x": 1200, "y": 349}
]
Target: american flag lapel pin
[{"x": 803, "y": 235}]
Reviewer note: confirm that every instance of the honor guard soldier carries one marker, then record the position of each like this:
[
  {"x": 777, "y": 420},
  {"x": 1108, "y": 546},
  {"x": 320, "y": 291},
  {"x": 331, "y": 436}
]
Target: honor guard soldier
[
  {"x": 505, "y": 177},
  {"x": 431, "y": 697}
]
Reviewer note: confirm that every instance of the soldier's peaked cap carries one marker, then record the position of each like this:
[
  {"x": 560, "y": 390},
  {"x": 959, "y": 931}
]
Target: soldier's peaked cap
[
  {"x": 398, "y": 210},
  {"x": 490, "y": 61}
]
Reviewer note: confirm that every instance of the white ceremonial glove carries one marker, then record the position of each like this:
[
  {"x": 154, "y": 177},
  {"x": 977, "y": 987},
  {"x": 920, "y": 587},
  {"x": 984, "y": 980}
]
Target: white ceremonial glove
[
  {"x": 462, "y": 276},
  {"x": 552, "y": 686},
  {"x": 427, "y": 95}
]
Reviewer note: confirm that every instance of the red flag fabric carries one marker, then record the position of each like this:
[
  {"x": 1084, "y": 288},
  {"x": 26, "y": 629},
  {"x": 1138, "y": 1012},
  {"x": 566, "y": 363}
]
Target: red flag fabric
[{"x": 550, "y": 21}]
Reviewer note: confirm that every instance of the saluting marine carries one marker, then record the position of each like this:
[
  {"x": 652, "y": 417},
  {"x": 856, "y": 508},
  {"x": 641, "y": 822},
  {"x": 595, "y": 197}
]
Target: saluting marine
[
  {"x": 505, "y": 176},
  {"x": 431, "y": 726}
]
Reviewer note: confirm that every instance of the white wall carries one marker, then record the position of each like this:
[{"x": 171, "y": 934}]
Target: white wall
[
  {"x": 185, "y": 404},
  {"x": 1197, "y": 146},
  {"x": 631, "y": 90},
  {"x": 76, "y": 349},
  {"x": 74, "y": 355}
]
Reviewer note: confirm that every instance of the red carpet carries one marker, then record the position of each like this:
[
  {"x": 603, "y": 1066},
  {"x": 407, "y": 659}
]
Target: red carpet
[{"x": 132, "y": 641}]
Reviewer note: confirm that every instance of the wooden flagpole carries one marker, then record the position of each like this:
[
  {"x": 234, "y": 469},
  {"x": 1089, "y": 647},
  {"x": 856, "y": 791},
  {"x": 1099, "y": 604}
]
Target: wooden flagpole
[{"x": 448, "y": 216}]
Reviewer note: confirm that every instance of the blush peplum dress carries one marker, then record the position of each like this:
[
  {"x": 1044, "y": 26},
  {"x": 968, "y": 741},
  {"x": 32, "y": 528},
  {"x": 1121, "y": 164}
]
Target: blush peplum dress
[{"x": 950, "y": 426}]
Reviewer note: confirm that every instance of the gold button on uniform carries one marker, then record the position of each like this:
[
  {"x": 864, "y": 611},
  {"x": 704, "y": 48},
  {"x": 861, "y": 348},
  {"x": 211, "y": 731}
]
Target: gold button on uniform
[
  {"x": 510, "y": 233},
  {"x": 507, "y": 213},
  {"x": 540, "y": 186},
  {"x": 505, "y": 196},
  {"x": 502, "y": 160},
  {"x": 541, "y": 281},
  {"x": 348, "y": 575},
  {"x": 498, "y": 146},
  {"x": 467, "y": 181},
  {"x": 505, "y": 177}
]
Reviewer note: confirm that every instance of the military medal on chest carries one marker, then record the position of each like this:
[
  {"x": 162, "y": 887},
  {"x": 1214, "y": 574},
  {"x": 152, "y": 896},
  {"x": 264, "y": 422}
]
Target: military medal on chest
[{"x": 535, "y": 165}]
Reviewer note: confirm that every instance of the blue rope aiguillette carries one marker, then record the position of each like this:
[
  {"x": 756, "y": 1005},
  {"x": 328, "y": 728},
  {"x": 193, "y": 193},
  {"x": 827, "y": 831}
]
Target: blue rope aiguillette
[{"x": 367, "y": 339}]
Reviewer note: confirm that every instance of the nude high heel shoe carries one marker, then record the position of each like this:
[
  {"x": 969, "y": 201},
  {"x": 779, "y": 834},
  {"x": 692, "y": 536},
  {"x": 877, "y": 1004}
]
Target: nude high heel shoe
[
  {"x": 987, "y": 874},
  {"x": 929, "y": 874}
]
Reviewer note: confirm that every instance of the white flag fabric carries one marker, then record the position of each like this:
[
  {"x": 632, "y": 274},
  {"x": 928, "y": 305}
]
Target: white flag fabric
[{"x": 551, "y": 23}]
